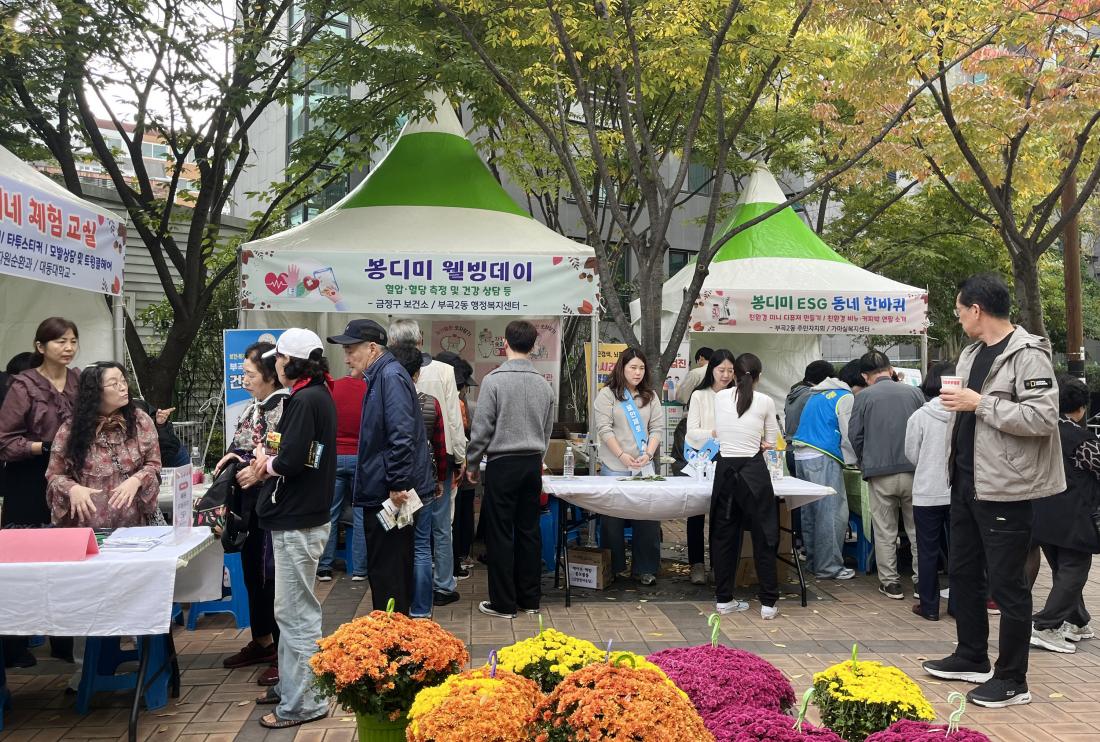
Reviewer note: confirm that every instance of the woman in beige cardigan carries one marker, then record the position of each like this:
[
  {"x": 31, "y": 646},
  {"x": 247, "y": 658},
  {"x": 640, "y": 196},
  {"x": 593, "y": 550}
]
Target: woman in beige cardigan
[{"x": 629, "y": 422}]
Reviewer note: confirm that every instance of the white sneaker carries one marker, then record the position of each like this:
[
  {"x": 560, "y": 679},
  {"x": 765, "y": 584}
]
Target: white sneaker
[
  {"x": 1077, "y": 633},
  {"x": 358, "y": 578},
  {"x": 845, "y": 574},
  {"x": 945, "y": 593},
  {"x": 768, "y": 612},
  {"x": 1051, "y": 640},
  {"x": 734, "y": 606}
]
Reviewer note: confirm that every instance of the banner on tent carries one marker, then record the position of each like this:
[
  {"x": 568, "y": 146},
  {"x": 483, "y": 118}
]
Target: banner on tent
[
  {"x": 417, "y": 283},
  {"x": 237, "y": 398},
  {"x": 480, "y": 342},
  {"x": 811, "y": 312},
  {"x": 48, "y": 239}
]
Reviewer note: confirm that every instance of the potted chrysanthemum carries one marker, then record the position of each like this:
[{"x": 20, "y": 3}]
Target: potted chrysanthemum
[
  {"x": 376, "y": 664},
  {"x": 858, "y": 698},
  {"x": 485, "y": 704},
  {"x": 613, "y": 701}
]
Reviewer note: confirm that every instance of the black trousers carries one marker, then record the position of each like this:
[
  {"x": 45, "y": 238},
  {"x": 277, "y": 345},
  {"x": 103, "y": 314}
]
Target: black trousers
[
  {"x": 259, "y": 578},
  {"x": 390, "y": 556},
  {"x": 510, "y": 514},
  {"x": 991, "y": 538},
  {"x": 743, "y": 498},
  {"x": 462, "y": 536},
  {"x": 1066, "y": 602},
  {"x": 696, "y": 525},
  {"x": 931, "y": 522}
]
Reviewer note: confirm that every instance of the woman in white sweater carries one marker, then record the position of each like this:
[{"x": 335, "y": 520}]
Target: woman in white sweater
[
  {"x": 700, "y": 429},
  {"x": 629, "y": 421},
  {"x": 746, "y": 424}
]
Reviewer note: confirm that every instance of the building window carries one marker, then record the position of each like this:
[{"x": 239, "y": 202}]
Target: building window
[
  {"x": 677, "y": 259},
  {"x": 699, "y": 179},
  {"x": 301, "y": 116}
]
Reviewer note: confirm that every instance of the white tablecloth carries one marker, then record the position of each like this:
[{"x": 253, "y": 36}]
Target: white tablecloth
[
  {"x": 110, "y": 594},
  {"x": 675, "y": 497}
]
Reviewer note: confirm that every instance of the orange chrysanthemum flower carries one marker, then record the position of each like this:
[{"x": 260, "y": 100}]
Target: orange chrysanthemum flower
[
  {"x": 604, "y": 701},
  {"x": 474, "y": 706},
  {"x": 377, "y": 663}
]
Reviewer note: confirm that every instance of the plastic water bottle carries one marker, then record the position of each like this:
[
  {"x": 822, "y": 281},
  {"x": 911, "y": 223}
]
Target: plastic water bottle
[
  {"x": 196, "y": 465},
  {"x": 567, "y": 463}
]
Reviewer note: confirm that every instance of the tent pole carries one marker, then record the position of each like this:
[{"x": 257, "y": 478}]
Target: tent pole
[
  {"x": 924, "y": 353},
  {"x": 594, "y": 384},
  {"x": 119, "y": 312}
]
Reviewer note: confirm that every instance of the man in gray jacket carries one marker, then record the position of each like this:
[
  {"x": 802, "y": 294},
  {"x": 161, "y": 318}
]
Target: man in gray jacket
[
  {"x": 511, "y": 428},
  {"x": 877, "y": 432},
  {"x": 1002, "y": 453}
]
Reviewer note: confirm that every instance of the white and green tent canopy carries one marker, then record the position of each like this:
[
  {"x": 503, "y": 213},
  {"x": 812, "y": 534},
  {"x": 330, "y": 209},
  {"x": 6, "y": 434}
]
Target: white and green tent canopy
[
  {"x": 781, "y": 288},
  {"x": 429, "y": 232}
]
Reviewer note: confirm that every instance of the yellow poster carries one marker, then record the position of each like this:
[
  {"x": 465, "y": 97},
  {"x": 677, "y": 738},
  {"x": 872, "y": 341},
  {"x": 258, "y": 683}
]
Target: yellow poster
[{"x": 608, "y": 354}]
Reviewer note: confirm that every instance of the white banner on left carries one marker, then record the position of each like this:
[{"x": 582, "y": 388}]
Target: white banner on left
[{"x": 47, "y": 238}]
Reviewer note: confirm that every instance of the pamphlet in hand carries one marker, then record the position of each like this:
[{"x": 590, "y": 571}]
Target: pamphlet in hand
[{"x": 392, "y": 516}]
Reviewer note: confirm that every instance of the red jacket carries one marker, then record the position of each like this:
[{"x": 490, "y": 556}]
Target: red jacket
[{"x": 348, "y": 394}]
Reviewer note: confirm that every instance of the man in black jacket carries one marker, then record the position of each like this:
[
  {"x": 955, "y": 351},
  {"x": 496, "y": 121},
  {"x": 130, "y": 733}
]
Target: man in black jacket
[{"x": 299, "y": 463}]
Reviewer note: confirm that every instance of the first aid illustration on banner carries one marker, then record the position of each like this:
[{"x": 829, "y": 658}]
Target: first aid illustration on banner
[{"x": 417, "y": 283}]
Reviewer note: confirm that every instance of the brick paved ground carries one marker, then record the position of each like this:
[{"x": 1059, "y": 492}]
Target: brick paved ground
[{"x": 216, "y": 704}]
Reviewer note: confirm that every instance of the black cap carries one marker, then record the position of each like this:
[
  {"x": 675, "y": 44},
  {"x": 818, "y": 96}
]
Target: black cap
[
  {"x": 361, "y": 331},
  {"x": 464, "y": 372}
]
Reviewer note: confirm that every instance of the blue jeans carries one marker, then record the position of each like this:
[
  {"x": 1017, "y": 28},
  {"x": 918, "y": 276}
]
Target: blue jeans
[
  {"x": 824, "y": 521},
  {"x": 345, "y": 480},
  {"x": 441, "y": 537},
  {"x": 645, "y": 545},
  {"x": 299, "y": 616},
  {"x": 422, "y": 560}
]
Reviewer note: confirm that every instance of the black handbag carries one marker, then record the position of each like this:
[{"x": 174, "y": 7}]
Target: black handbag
[{"x": 223, "y": 506}]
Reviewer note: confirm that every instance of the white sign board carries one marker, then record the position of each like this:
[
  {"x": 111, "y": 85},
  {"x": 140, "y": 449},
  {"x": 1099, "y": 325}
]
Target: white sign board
[{"x": 182, "y": 503}]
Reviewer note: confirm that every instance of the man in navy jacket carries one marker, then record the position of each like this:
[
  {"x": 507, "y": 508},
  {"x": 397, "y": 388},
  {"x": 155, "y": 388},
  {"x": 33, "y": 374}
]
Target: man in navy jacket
[{"x": 394, "y": 459}]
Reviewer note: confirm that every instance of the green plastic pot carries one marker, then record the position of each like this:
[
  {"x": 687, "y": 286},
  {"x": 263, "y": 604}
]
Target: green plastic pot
[{"x": 373, "y": 728}]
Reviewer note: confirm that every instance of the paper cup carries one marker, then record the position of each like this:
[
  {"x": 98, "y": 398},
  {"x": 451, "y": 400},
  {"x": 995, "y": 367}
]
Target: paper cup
[{"x": 951, "y": 382}]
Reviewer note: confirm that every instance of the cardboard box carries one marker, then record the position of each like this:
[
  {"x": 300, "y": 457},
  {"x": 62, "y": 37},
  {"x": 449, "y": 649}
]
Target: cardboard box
[
  {"x": 556, "y": 452},
  {"x": 589, "y": 567},
  {"x": 746, "y": 570}
]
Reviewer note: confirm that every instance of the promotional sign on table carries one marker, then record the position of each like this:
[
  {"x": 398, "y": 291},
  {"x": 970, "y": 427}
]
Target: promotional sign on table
[
  {"x": 811, "y": 312},
  {"x": 46, "y": 239},
  {"x": 237, "y": 398},
  {"x": 183, "y": 502},
  {"x": 416, "y": 283}
]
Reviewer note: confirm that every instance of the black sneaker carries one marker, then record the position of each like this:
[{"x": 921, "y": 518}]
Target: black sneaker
[
  {"x": 999, "y": 692},
  {"x": 954, "y": 667},
  {"x": 893, "y": 590},
  {"x": 461, "y": 573},
  {"x": 487, "y": 608},
  {"x": 441, "y": 598},
  {"x": 324, "y": 575}
]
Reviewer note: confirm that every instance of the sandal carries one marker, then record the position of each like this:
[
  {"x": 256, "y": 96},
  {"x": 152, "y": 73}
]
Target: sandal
[
  {"x": 268, "y": 699},
  {"x": 272, "y": 721}
]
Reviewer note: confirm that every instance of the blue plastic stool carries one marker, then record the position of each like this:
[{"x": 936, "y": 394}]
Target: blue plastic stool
[
  {"x": 548, "y": 531},
  {"x": 236, "y": 602},
  {"x": 102, "y": 657},
  {"x": 862, "y": 550}
]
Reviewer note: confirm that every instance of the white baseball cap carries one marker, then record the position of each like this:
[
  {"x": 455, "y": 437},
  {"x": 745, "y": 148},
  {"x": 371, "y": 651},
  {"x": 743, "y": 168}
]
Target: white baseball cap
[{"x": 296, "y": 343}]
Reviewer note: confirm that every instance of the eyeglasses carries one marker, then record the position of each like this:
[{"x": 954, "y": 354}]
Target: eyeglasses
[
  {"x": 117, "y": 384},
  {"x": 958, "y": 313}
]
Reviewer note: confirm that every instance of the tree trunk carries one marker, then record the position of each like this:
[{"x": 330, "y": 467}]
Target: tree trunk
[
  {"x": 650, "y": 284},
  {"x": 158, "y": 378},
  {"x": 1025, "y": 272}
]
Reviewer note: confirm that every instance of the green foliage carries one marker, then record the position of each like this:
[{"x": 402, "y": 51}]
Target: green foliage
[{"x": 924, "y": 239}]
